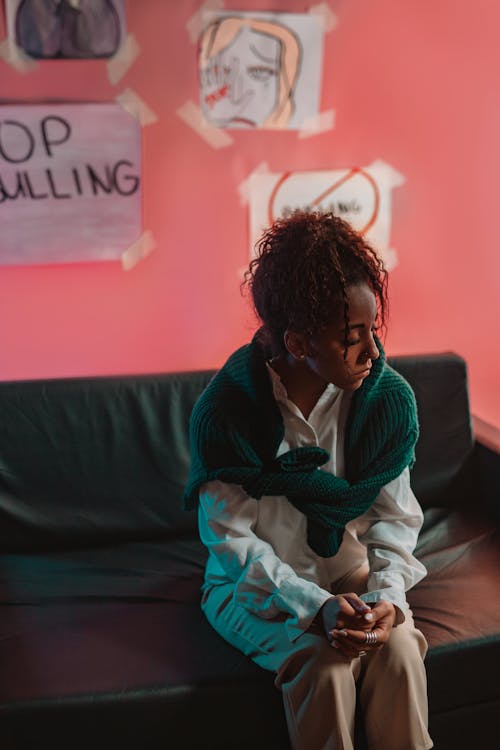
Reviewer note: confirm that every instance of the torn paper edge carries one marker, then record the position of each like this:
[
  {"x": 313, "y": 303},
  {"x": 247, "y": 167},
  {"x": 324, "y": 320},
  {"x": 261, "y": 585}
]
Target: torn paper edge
[
  {"x": 325, "y": 16},
  {"x": 395, "y": 178},
  {"x": 389, "y": 258},
  {"x": 16, "y": 57},
  {"x": 244, "y": 186},
  {"x": 138, "y": 250},
  {"x": 316, "y": 124},
  {"x": 194, "y": 24},
  {"x": 138, "y": 108},
  {"x": 124, "y": 58},
  {"x": 191, "y": 114}
]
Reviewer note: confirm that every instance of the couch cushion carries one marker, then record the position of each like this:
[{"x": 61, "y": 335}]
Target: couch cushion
[
  {"x": 61, "y": 596},
  {"x": 157, "y": 571},
  {"x": 114, "y": 637},
  {"x": 459, "y": 599}
]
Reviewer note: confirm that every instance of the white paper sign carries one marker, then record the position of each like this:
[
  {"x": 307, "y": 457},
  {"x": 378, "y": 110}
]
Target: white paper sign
[
  {"x": 70, "y": 182},
  {"x": 361, "y": 196},
  {"x": 260, "y": 70}
]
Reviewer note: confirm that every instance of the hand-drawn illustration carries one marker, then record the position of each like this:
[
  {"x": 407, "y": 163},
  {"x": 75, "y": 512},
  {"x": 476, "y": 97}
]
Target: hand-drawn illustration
[
  {"x": 49, "y": 29},
  {"x": 260, "y": 72},
  {"x": 361, "y": 196}
]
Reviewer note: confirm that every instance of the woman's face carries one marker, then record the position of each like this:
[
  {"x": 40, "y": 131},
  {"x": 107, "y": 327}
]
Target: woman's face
[
  {"x": 325, "y": 351},
  {"x": 240, "y": 85}
]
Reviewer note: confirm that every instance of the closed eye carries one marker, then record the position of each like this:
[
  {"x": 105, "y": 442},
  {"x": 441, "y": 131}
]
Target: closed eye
[
  {"x": 260, "y": 73},
  {"x": 353, "y": 342}
]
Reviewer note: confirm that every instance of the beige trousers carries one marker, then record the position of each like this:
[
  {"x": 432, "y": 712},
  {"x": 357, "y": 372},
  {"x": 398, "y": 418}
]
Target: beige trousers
[{"x": 318, "y": 684}]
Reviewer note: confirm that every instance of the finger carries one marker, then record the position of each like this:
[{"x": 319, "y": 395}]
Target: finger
[
  {"x": 233, "y": 69},
  {"x": 355, "y": 621},
  {"x": 342, "y": 613},
  {"x": 218, "y": 69},
  {"x": 359, "y": 637},
  {"x": 344, "y": 650},
  {"x": 384, "y": 608},
  {"x": 359, "y": 606},
  {"x": 354, "y": 637},
  {"x": 346, "y": 609}
]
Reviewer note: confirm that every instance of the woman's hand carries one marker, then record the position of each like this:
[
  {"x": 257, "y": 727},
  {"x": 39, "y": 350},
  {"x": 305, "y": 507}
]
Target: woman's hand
[
  {"x": 345, "y": 610},
  {"x": 351, "y": 640}
]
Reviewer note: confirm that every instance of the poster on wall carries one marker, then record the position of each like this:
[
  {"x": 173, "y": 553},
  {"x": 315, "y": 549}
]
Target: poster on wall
[
  {"x": 260, "y": 70},
  {"x": 361, "y": 196},
  {"x": 48, "y": 29},
  {"x": 70, "y": 182}
]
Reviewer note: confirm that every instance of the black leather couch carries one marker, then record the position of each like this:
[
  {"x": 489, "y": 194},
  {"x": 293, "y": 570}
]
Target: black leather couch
[{"x": 102, "y": 642}]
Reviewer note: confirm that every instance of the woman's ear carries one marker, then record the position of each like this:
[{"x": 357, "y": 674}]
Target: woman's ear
[{"x": 296, "y": 344}]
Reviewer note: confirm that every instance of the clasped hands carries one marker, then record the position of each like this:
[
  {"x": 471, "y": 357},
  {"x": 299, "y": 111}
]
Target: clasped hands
[{"x": 346, "y": 619}]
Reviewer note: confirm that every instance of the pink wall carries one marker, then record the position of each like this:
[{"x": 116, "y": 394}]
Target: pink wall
[{"x": 415, "y": 84}]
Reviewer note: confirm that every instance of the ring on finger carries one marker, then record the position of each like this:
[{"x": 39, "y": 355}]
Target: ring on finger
[
  {"x": 370, "y": 638},
  {"x": 362, "y": 653}
]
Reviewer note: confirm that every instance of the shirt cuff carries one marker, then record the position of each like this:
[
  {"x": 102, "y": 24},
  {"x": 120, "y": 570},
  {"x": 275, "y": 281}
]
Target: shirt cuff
[{"x": 303, "y": 599}]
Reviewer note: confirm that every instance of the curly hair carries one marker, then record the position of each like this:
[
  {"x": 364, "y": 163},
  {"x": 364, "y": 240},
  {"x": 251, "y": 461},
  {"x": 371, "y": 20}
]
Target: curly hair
[{"x": 304, "y": 265}]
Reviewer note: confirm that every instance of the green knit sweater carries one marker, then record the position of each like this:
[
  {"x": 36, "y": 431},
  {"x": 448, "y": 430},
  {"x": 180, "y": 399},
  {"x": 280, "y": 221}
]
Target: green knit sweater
[{"x": 236, "y": 429}]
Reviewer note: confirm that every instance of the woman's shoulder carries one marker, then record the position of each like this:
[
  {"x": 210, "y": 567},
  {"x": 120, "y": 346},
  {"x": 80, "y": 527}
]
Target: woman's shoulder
[
  {"x": 391, "y": 380},
  {"x": 226, "y": 391}
]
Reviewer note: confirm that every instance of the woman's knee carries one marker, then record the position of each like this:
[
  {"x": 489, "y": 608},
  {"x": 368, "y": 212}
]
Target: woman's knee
[
  {"x": 317, "y": 660},
  {"x": 404, "y": 652}
]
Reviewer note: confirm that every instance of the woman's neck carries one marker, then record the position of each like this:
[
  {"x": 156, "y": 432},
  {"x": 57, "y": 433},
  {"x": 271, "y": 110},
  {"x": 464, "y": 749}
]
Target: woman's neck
[{"x": 302, "y": 385}]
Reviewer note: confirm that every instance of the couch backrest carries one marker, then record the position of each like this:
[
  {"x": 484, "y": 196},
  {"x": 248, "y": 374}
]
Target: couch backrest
[
  {"x": 446, "y": 439},
  {"x": 90, "y": 460},
  {"x": 93, "y": 459}
]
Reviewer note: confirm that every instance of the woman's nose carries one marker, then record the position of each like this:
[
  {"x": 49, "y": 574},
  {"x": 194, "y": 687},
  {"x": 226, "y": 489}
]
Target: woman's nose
[
  {"x": 371, "y": 352},
  {"x": 374, "y": 352}
]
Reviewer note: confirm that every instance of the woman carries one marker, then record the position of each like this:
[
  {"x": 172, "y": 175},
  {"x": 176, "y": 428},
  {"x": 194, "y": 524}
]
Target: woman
[{"x": 301, "y": 447}]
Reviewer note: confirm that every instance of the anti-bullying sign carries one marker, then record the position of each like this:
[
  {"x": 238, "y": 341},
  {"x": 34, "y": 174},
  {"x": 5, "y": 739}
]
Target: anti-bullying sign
[
  {"x": 360, "y": 195},
  {"x": 70, "y": 183}
]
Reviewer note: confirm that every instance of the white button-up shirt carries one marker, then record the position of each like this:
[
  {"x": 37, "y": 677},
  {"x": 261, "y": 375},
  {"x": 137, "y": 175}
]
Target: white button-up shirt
[{"x": 260, "y": 546}]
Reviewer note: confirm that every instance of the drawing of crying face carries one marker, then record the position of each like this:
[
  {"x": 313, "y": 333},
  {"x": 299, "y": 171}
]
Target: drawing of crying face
[{"x": 240, "y": 84}]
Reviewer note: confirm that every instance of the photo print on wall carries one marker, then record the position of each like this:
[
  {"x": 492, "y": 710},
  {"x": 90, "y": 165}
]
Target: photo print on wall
[
  {"x": 84, "y": 29},
  {"x": 260, "y": 70}
]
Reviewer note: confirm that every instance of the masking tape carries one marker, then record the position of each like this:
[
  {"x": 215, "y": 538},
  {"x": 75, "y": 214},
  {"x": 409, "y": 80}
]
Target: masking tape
[
  {"x": 244, "y": 186},
  {"x": 16, "y": 57},
  {"x": 124, "y": 58},
  {"x": 195, "y": 24},
  {"x": 318, "y": 124},
  {"x": 325, "y": 16},
  {"x": 393, "y": 177},
  {"x": 139, "y": 250},
  {"x": 191, "y": 114},
  {"x": 389, "y": 258},
  {"x": 133, "y": 103}
]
